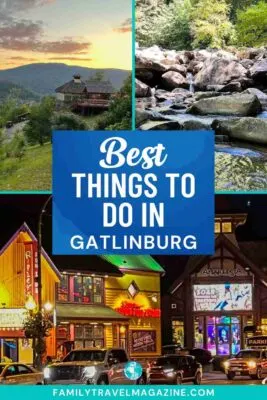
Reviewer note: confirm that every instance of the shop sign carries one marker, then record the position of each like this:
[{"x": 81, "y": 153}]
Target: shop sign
[
  {"x": 12, "y": 317},
  {"x": 257, "y": 341},
  {"x": 214, "y": 272},
  {"x": 222, "y": 297},
  {"x": 143, "y": 341},
  {"x": 31, "y": 269},
  {"x": 134, "y": 310}
]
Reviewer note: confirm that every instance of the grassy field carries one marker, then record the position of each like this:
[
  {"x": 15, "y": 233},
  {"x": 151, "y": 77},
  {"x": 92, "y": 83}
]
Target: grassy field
[{"x": 32, "y": 172}]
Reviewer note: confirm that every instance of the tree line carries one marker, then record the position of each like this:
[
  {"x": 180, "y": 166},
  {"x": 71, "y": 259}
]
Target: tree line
[{"x": 191, "y": 24}]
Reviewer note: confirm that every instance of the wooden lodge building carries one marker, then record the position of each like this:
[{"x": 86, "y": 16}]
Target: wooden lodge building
[
  {"x": 219, "y": 301},
  {"x": 94, "y": 301},
  {"x": 81, "y": 95}
]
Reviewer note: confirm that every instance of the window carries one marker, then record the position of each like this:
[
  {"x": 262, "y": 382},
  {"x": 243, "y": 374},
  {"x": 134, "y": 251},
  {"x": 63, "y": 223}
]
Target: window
[
  {"x": 88, "y": 336},
  {"x": 11, "y": 371},
  {"x": 119, "y": 355},
  {"x": 178, "y": 331},
  {"x": 81, "y": 289},
  {"x": 227, "y": 227},
  {"x": 217, "y": 227},
  {"x": 63, "y": 289},
  {"x": 23, "y": 369}
]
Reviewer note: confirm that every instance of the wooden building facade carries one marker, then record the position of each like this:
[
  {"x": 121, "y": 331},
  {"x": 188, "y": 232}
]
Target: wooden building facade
[{"x": 218, "y": 301}]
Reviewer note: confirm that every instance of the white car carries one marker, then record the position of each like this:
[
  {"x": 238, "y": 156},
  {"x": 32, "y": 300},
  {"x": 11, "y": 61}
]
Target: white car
[{"x": 19, "y": 374}]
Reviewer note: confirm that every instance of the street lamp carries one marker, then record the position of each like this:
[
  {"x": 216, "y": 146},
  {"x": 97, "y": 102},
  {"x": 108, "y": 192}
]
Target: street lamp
[
  {"x": 30, "y": 304},
  {"x": 40, "y": 222},
  {"x": 48, "y": 307}
]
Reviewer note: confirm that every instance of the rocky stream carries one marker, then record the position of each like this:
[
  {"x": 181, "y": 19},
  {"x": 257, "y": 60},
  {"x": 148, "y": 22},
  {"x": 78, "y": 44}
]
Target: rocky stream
[{"x": 223, "y": 91}]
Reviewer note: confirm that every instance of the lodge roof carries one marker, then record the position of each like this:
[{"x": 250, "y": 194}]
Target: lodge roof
[
  {"x": 24, "y": 228},
  {"x": 88, "y": 86},
  {"x": 195, "y": 262}
]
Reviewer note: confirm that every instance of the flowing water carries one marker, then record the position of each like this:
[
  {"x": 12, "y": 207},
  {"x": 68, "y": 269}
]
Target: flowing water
[{"x": 238, "y": 166}]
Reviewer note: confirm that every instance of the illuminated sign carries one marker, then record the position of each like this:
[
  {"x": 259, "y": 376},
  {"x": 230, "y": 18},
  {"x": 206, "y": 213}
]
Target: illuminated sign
[
  {"x": 257, "y": 341},
  {"x": 12, "y": 317},
  {"x": 223, "y": 297},
  {"x": 143, "y": 341},
  {"x": 134, "y": 310},
  {"x": 31, "y": 269}
]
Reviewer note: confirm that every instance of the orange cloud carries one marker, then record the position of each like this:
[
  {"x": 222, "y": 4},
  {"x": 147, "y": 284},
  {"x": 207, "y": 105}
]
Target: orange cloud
[{"x": 125, "y": 27}]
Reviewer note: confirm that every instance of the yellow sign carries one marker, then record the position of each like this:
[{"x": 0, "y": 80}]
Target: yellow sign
[{"x": 12, "y": 317}]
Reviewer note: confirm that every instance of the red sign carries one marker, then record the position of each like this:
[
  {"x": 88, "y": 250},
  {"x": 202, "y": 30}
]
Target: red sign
[
  {"x": 134, "y": 310},
  {"x": 31, "y": 269}
]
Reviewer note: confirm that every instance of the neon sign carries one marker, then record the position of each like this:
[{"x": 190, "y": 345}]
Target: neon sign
[{"x": 134, "y": 310}]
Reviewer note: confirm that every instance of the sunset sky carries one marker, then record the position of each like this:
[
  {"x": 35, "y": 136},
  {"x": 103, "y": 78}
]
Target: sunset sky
[{"x": 89, "y": 33}]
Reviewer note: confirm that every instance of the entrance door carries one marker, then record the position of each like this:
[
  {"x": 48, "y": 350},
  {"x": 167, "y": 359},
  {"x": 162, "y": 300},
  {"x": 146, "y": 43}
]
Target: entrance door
[
  {"x": 223, "y": 339},
  {"x": 9, "y": 350}
]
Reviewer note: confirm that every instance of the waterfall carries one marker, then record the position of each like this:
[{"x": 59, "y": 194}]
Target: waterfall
[
  {"x": 190, "y": 80},
  {"x": 153, "y": 98}
]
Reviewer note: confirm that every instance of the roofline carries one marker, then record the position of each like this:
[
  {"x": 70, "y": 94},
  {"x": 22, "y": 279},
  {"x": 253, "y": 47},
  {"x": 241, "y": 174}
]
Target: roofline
[
  {"x": 24, "y": 227},
  {"x": 220, "y": 238}
]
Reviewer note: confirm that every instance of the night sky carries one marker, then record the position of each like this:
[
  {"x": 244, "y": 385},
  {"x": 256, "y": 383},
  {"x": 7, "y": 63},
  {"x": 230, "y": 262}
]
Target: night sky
[{"x": 16, "y": 209}]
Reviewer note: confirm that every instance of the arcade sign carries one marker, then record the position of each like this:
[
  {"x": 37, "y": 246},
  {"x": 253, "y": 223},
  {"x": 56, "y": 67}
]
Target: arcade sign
[
  {"x": 257, "y": 341},
  {"x": 134, "y": 310},
  {"x": 12, "y": 318}
]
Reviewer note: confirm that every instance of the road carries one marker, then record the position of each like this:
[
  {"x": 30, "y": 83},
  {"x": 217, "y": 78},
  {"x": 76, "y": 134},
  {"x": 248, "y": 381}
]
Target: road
[
  {"x": 218, "y": 378},
  {"x": 10, "y": 132}
]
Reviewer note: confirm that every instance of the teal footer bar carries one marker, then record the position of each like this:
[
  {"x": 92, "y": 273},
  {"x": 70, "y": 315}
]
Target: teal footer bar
[{"x": 129, "y": 392}]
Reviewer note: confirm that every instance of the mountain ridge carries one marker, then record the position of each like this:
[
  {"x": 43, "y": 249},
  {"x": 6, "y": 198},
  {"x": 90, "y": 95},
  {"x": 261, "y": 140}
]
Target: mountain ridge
[{"x": 44, "y": 78}]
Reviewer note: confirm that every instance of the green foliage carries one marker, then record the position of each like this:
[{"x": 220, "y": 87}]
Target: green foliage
[
  {"x": 99, "y": 76},
  {"x": 16, "y": 147},
  {"x": 37, "y": 326},
  {"x": 119, "y": 115},
  {"x": 236, "y": 5},
  {"x": 210, "y": 24},
  {"x": 11, "y": 109},
  {"x": 68, "y": 121},
  {"x": 252, "y": 25},
  {"x": 163, "y": 23},
  {"x": 39, "y": 127}
]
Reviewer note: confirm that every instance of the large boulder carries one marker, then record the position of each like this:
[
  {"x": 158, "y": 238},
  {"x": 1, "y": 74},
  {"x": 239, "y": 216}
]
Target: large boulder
[
  {"x": 178, "y": 68},
  {"x": 249, "y": 129},
  {"x": 261, "y": 96},
  {"x": 172, "y": 80},
  {"x": 141, "y": 89},
  {"x": 237, "y": 104},
  {"x": 161, "y": 126},
  {"x": 219, "y": 71},
  {"x": 259, "y": 71}
]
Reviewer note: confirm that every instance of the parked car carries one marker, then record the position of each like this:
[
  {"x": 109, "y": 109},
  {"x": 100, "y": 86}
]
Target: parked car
[
  {"x": 91, "y": 366},
  {"x": 248, "y": 362},
  {"x": 19, "y": 374},
  {"x": 202, "y": 356},
  {"x": 174, "y": 369}
]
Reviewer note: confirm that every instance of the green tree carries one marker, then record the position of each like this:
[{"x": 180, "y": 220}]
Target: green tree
[
  {"x": 16, "y": 147},
  {"x": 210, "y": 24},
  {"x": 68, "y": 121},
  {"x": 98, "y": 76},
  {"x": 163, "y": 23},
  {"x": 39, "y": 127},
  {"x": 37, "y": 326},
  {"x": 119, "y": 115},
  {"x": 236, "y": 5},
  {"x": 251, "y": 25}
]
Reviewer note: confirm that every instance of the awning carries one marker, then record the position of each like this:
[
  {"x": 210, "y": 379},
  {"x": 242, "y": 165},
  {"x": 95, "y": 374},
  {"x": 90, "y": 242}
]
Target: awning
[{"x": 84, "y": 311}]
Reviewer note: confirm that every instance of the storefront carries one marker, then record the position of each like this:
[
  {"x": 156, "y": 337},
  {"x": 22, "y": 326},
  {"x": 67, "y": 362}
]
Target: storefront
[
  {"x": 136, "y": 296},
  {"x": 18, "y": 273},
  {"x": 115, "y": 310},
  {"x": 84, "y": 320},
  {"x": 225, "y": 296}
]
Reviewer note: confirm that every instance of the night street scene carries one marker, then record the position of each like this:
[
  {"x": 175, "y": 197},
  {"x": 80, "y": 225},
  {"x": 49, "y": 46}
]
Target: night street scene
[{"x": 81, "y": 319}]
